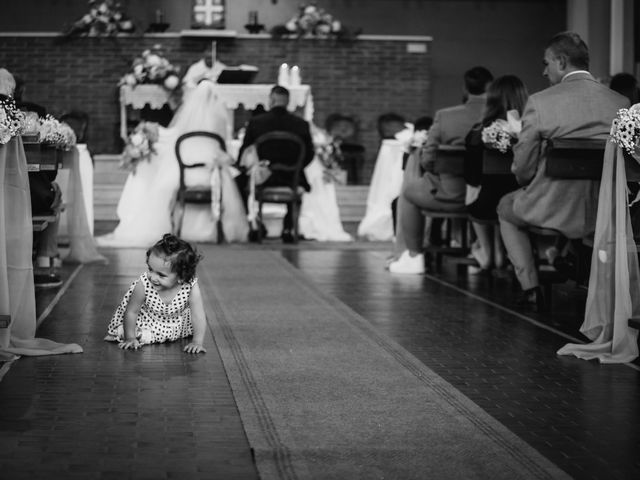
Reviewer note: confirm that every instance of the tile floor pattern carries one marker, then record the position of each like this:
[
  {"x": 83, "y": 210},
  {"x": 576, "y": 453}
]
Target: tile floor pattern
[{"x": 112, "y": 414}]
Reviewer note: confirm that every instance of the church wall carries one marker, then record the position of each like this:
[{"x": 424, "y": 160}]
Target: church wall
[
  {"x": 507, "y": 36},
  {"x": 363, "y": 78}
]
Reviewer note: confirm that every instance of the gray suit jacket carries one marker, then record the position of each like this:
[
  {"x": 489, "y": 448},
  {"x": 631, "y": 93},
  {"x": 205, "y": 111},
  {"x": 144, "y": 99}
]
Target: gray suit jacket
[
  {"x": 450, "y": 127},
  {"x": 577, "y": 107}
]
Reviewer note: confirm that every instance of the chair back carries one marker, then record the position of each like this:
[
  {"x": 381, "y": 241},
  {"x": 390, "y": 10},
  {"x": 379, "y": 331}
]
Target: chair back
[
  {"x": 193, "y": 162},
  {"x": 79, "y": 122},
  {"x": 494, "y": 162},
  {"x": 575, "y": 158},
  {"x": 285, "y": 152},
  {"x": 450, "y": 160}
]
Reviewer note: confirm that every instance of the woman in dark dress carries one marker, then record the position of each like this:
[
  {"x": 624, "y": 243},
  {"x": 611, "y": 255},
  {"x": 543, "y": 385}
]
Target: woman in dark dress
[{"x": 504, "y": 94}]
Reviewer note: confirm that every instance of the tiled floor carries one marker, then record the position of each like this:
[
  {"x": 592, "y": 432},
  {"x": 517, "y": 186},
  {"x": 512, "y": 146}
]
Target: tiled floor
[{"x": 107, "y": 415}]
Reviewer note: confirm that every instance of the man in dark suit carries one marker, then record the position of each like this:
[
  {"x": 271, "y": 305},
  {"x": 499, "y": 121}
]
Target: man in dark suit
[{"x": 280, "y": 119}]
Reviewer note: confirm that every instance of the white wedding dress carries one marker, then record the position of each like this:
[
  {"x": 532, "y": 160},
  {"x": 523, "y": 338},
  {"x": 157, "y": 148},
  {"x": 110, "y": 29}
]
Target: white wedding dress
[
  {"x": 319, "y": 214},
  {"x": 148, "y": 197}
]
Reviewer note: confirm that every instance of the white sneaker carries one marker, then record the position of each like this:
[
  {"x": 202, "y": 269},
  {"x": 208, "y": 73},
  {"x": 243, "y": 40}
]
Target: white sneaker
[{"x": 408, "y": 265}]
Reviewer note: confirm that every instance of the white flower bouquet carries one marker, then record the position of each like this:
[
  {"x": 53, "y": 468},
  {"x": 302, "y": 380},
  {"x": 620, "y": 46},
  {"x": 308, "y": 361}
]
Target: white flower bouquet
[
  {"x": 56, "y": 134},
  {"x": 312, "y": 21},
  {"x": 625, "y": 131},
  {"x": 12, "y": 120},
  {"x": 412, "y": 139},
  {"x": 103, "y": 19},
  {"x": 502, "y": 134},
  {"x": 327, "y": 150},
  {"x": 140, "y": 145},
  {"x": 152, "y": 67}
]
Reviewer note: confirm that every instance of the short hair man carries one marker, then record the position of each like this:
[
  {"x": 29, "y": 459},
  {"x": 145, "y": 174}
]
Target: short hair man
[
  {"x": 278, "y": 118},
  {"x": 577, "y": 106},
  {"x": 424, "y": 189}
]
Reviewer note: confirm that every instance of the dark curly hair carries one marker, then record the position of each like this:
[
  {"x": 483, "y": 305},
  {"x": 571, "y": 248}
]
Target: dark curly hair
[{"x": 183, "y": 257}]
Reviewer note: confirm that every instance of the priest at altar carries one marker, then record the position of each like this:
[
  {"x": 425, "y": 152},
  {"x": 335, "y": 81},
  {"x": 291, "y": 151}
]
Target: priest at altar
[{"x": 207, "y": 68}]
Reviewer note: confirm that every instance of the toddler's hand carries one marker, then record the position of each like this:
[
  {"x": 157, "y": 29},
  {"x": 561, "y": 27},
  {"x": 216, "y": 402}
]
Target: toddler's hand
[
  {"x": 130, "y": 344},
  {"x": 195, "y": 348}
]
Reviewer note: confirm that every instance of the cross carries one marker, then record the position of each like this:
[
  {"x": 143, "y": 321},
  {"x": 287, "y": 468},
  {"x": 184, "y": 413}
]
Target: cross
[{"x": 211, "y": 9}]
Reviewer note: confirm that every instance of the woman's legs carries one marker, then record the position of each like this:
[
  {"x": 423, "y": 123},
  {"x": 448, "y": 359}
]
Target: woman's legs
[{"x": 484, "y": 253}]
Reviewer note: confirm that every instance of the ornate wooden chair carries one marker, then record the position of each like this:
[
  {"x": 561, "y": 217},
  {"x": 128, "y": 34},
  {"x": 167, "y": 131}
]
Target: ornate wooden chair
[
  {"x": 285, "y": 152},
  {"x": 200, "y": 194}
]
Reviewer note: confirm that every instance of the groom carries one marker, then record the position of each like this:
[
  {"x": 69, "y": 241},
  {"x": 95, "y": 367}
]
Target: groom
[{"x": 280, "y": 119}]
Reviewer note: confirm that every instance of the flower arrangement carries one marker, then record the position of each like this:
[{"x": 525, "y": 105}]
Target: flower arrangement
[
  {"x": 12, "y": 120},
  {"x": 626, "y": 129},
  {"x": 140, "y": 145},
  {"x": 311, "y": 21},
  {"x": 327, "y": 150},
  {"x": 103, "y": 19},
  {"x": 55, "y": 133},
  {"x": 502, "y": 134},
  {"x": 412, "y": 139},
  {"x": 152, "y": 67}
]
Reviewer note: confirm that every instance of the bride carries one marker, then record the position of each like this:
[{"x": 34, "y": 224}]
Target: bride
[{"x": 148, "y": 197}]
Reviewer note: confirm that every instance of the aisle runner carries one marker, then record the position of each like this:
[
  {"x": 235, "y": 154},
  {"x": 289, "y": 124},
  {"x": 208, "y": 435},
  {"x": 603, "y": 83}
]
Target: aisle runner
[{"x": 323, "y": 395}]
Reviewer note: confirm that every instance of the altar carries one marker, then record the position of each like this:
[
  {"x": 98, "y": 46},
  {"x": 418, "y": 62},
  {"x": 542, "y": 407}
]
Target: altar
[{"x": 232, "y": 95}]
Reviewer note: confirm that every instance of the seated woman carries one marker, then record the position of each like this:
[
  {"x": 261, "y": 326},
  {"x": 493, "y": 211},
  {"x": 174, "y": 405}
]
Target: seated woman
[
  {"x": 504, "y": 94},
  {"x": 146, "y": 205}
]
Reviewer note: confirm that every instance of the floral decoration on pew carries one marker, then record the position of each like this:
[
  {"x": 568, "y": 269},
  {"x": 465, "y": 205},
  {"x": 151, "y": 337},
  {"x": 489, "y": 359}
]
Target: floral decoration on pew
[
  {"x": 12, "y": 120},
  {"x": 626, "y": 130},
  {"x": 139, "y": 145},
  {"x": 105, "y": 18},
  {"x": 327, "y": 150},
  {"x": 152, "y": 67},
  {"x": 312, "y": 21},
  {"x": 503, "y": 134},
  {"x": 412, "y": 139},
  {"x": 55, "y": 133}
]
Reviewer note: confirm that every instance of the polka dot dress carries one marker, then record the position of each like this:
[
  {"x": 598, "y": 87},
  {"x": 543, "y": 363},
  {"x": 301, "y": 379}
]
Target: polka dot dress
[{"x": 157, "y": 321}]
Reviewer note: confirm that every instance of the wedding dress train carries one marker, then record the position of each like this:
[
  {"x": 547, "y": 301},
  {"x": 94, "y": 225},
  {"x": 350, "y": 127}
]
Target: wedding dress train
[
  {"x": 319, "y": 214},
  {"x": 148, "y": 197}
]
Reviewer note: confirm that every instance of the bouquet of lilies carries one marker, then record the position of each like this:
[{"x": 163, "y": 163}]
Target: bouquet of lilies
[
  {"x": 104, "y": 18},
  {"x": 502, "y": 134},
  {"x": 55, "y": 133},
  {"x": 312, "y": 21},
  {"x": 152, "y": 67},
  {"x": 139, "y": 145},
  {"x": 12, "y": 120},
  {"x": 626, "y": 130}
]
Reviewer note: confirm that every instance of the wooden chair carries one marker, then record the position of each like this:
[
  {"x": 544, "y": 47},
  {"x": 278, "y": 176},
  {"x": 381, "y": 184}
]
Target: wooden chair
[
  {"x": 288, "y": 167},
  {"x": 449, "y": 160},
  {"x": 577, "y": 159},
  {"x": 187, "y": 194}
]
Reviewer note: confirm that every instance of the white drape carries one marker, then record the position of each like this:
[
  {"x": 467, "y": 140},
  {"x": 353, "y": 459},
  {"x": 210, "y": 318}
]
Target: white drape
[
  {"x": 17, "y": 294},
  {"x": 614, "y": 281}
]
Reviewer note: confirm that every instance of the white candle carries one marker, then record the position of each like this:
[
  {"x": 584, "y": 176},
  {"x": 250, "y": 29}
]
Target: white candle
[
  {"x": 283, "y": 75},
  {"x": 294, "y": 76},
  {"x": 213, "y": 53}
]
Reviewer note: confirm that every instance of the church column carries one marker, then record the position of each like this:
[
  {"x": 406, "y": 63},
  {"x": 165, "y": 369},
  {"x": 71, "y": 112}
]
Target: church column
[{"x": 608, "y": 28}]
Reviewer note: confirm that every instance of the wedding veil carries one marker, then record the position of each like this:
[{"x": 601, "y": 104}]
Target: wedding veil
[{"x": 201, "y": 110}]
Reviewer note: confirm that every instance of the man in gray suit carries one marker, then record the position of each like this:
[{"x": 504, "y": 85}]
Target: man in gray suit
[
  {"x": 574, "y": 106},
  {"x": 424, "y": 189}
]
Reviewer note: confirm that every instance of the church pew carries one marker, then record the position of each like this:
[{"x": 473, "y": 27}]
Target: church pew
[{"x": 449, "y": 159}]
